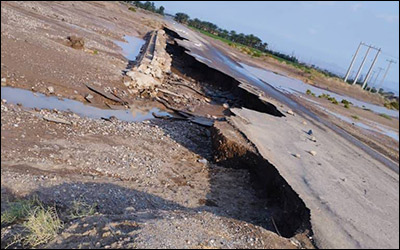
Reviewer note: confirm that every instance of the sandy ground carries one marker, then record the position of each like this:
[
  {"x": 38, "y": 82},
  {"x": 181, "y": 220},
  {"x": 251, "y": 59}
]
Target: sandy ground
[
  {"x": 153, "y": 183},
  {"x": 35, "y": 34}
]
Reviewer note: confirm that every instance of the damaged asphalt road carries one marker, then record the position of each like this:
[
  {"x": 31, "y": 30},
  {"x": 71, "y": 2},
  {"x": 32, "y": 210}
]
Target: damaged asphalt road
[
  {"x": 339, "y": 182},
  {"x": 229, "y": 166}
]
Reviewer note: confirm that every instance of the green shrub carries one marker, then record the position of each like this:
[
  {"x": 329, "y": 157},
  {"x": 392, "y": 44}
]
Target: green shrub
[
  {"x": 17, "y": 210},
  {"x": 81, "y": 209},
  {"x": 42, "y": 225},
  {"x": 132, "y": 9},
  {"x": 386, "y": 116}
]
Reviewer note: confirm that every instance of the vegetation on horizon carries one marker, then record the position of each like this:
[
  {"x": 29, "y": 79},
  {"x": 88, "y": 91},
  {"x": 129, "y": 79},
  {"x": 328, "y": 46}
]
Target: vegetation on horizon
[{"x": 150, "y": 6}]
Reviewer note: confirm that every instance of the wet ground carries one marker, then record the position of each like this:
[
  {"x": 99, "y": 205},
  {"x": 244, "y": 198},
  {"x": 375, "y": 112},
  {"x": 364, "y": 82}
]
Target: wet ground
[
  {"x": 33, "y": 100},
  {"x": 294, "y": 86}
]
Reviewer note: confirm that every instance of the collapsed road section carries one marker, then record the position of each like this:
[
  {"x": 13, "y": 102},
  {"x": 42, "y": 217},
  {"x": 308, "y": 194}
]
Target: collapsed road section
[{"x": 338, "y": 182}]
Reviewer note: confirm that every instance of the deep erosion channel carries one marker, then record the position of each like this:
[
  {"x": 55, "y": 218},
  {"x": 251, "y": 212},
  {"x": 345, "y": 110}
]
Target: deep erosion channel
[
  {"x": 231, "y": 149},
  {"x": 189, "y": 63}
]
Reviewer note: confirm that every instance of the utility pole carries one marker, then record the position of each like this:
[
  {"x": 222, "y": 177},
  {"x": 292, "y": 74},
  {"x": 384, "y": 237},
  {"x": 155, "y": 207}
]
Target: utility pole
[
  {"x": 352, "y": 62},
  {"x": 372, "y": 77},
  {"x": 377, "y": 75},
  {"x": 387, "y": 70},
  {"x": 370, "y": 69},
  {"x": 362, "y": 65}
]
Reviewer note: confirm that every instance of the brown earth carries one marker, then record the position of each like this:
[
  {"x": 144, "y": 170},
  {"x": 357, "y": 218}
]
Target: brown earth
[{"x": 154, "y": 184}]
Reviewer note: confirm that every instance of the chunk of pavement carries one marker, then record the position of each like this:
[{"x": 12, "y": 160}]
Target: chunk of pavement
[
  {"x": 50, "y": 89},
  {"x": 56, "y": 120},
  {"x": 290, "y": 112},
  {"x": 204, "y": 161},
  {"x": 226, "y": 105},
  {"x": 313, "y": 153},
  {"x": 310, "y": 132}
]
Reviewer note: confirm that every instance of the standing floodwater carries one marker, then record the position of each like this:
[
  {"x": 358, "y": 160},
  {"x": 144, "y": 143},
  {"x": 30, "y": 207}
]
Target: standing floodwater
[
  {"x": 294, "y": 86},
  {"x": 30, "y": 99},
  {"x": 131, "y": 48}
]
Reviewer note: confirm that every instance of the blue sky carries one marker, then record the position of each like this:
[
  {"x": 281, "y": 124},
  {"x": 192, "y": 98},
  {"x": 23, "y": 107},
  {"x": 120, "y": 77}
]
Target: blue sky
[{"x": 325, "y": 33}]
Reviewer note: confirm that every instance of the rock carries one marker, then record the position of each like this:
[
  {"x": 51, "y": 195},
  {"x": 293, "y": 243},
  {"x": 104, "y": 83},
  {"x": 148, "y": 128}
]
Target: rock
[
  {"x": 76, "y": 42},
  {"x": 290, "y": 112},
  {"x": 313, "y": 153},
  {"x": 204, "y": 161},
  {"x": 3, "y": 79},
  {"x": 50, "y": 89},
  {"x": 310, "y": 132},
  {"x": 56, "y": 120},
  {"x": 304, "y": 123},
  {"x": 297, "y": 155},
  {"x": 142, "y": 81},
  {"x": 88, "y": 97},
  {"x": 225, "y": 105},
  {"x": 4, "y": 101},
  {"x": 106, "y": 234},
  {"x": 313, "y": 139}
]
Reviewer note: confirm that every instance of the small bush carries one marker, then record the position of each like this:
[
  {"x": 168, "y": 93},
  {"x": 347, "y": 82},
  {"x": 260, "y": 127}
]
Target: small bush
[
  {"x": 344, "y": 101},
  {"x": 392, "y": 105},
  {"x": 346, "y": 105},
  {"x": 17, "y": 210},
  {"x": 386, "y": 116},
  {"x": 355, "y": 117},
  {"x": 333, "y": 100},
  {"x": 82, "y": 209},
  {"x": 308, "y": 92},
  {"x": 132, "y": 9},
  {"x": 42, "y": 225}
]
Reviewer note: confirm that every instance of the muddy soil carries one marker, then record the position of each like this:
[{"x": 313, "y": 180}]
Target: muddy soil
[
  {"x": 36, "y": 34},
  {"x": 154, "y": 184}
]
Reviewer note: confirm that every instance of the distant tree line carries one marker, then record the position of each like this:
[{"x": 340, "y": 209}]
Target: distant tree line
[
  {"x": 150, "y": 6},
  {"x": 247, "y": 40}
]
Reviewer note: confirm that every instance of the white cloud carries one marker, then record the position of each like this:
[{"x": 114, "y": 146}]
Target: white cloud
[{"x": 388, "y": 18}]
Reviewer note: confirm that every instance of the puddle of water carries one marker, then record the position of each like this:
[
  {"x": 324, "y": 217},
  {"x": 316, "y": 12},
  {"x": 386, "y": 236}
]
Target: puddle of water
[
  {"x": 37, "y": 100},
  {"x": 131, "y": 48},
  {"x": 294, "y": 86},
  {"x": 376, "y": 127},
  {"x": 200, "y": 58}
]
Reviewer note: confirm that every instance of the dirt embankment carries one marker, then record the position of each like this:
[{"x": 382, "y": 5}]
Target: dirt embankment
[{"x": 151, "y": 184}]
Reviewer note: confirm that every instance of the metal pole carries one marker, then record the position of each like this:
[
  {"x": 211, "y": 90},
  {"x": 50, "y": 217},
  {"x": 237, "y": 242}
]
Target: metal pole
[
  {"x": 352, "y": 63},
  {"x": 379, "y": 72},
  {"x": 387, "y": 70},
  {"x": 370, "y": 69},
  {"x": 362, "y": 65},
  {"x": 372, "y": 77}
]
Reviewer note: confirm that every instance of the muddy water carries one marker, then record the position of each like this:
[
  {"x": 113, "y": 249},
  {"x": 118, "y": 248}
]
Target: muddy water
[
  {"x": 375, "y": 127},
  {"x": 131, "y": 48},
  {"x": 294, "y": 86},
  {"x": 36, "y": 100}
]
